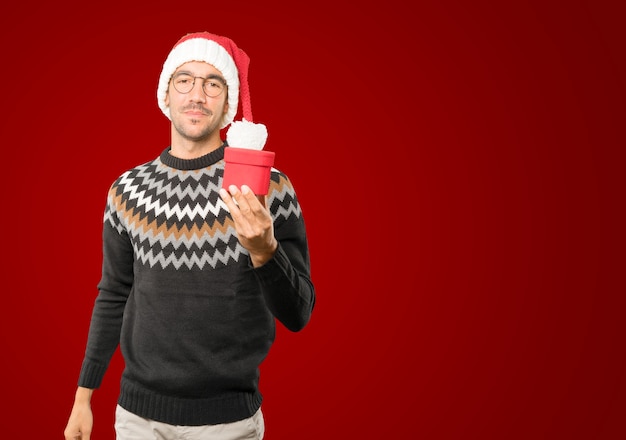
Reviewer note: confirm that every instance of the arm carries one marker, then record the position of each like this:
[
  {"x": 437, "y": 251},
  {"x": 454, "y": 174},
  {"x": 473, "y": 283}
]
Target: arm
[
  {"x": 104, "y": 329},
  {"x": 106, "y": 320},
  {"x": 280, "y": 258},
  {"x": 288, "y": 290}
]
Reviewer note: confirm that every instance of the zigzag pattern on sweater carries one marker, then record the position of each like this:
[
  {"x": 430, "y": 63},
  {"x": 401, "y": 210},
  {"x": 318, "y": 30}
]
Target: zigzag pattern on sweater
[{"x": 177, "y": 218}]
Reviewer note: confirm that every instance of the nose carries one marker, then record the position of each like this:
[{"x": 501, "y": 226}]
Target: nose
[{"x": 197, "y": 93}]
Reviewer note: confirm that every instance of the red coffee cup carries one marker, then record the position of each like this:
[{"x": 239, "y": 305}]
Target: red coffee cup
[{"x": 244, "y": 166}]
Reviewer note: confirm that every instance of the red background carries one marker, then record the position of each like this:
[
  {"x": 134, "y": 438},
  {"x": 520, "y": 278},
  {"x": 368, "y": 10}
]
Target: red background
[{"x": 461, "y": 170}]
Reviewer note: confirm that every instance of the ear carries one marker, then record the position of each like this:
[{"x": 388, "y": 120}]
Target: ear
[{"x": 167, "y": 98}]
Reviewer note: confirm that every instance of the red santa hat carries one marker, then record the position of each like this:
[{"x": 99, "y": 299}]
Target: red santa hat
[{"x": 223, "y": 54}]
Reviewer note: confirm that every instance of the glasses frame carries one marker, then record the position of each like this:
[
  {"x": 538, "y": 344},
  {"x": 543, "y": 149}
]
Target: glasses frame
[{"x": 205, "y": 81}]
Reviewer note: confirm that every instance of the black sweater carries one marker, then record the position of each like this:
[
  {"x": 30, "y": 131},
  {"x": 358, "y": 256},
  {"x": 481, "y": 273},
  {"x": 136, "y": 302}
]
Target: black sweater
[{"x": 193, "y": 318}]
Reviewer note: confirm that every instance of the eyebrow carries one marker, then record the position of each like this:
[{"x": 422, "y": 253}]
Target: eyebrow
[{"x": 211, "y": 76}]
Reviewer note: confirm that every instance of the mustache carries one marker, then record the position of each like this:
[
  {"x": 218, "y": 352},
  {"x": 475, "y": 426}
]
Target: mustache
[{"x": 196, "y": 107}]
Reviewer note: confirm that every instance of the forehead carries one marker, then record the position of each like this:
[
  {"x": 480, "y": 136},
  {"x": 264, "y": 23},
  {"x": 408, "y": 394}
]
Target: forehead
[{"x": 199, "y": 68}]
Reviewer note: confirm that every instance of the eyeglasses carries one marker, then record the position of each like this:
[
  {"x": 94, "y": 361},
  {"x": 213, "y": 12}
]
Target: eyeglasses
[{"x": 184, "y": 82}]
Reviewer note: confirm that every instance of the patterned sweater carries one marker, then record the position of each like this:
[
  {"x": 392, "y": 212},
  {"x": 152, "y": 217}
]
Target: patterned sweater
[{"x": 178, "y": 293}]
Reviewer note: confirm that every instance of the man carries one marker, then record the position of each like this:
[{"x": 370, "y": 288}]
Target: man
[{"x": 194, "y": 275}]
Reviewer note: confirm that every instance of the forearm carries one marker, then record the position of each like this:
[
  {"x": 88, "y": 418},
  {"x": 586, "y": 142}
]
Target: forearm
[
  {"x": 289, "y": 293},
  {"x": 103, "y": 338},
  {"x": 106, "y": 320}
]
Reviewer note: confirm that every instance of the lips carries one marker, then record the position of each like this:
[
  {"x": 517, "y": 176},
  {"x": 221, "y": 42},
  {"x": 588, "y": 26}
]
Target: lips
[{"x": 194, "y": 113}]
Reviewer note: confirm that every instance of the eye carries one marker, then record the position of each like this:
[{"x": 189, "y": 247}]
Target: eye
[
  {"x": 183, "y": 79},
  {"x": 214, "y": 85}
]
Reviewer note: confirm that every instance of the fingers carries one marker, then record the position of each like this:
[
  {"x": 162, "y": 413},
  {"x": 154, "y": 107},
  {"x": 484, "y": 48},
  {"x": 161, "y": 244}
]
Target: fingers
[
  {"x": 244, "y": 201},
  {"x": 76, "y": 435},
  {"x": 230, "y": 201},
  {"x": 252, "y": 220}
]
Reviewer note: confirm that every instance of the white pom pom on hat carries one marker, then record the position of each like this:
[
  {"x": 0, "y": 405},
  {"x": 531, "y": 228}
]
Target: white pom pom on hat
[{"x": 223, "y": 54}]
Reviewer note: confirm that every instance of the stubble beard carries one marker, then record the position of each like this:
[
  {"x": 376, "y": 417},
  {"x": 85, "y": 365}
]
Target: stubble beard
[{"x": 194, "y": 135}]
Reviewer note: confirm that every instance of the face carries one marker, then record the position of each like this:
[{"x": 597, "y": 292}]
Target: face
[{"x": 195, "y": 115}]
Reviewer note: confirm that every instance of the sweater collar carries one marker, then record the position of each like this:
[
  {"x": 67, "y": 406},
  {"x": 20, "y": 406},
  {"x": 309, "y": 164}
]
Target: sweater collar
[{"x": 193, "y": 164}]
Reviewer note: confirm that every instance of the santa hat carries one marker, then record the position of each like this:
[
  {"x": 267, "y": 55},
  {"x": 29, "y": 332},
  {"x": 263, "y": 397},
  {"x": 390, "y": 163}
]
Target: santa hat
[{"x": 223, "y": 54}]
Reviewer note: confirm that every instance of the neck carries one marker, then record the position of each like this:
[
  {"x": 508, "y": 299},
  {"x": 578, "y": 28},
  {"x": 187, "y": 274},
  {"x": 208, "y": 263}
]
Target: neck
[{"x": 183, "y": 148}]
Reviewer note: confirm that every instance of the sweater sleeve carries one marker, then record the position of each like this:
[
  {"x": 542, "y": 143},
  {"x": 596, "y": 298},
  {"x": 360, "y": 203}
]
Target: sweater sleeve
[
  {"x": 113, "y": 290},
  {"x": 286, "y": 278}
]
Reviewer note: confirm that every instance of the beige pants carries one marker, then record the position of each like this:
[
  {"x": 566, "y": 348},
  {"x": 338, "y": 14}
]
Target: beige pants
[{"x": 129, "y": 426}]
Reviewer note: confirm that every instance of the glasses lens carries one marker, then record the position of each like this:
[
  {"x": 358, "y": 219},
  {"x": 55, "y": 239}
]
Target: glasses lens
[
  {"x": 183, "y": 83},
  {"x": 213, "y": 87}
]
